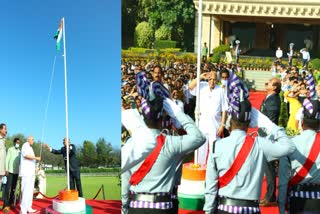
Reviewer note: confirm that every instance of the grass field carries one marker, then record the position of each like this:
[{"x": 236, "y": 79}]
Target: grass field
[{"x": 90, "y": 186}]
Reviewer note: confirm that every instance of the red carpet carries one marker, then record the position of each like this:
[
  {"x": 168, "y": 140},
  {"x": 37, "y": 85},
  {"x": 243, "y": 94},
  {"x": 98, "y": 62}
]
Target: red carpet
[
  {"x": 98, "y": 206},
  {"x": 256, "y": 99}
]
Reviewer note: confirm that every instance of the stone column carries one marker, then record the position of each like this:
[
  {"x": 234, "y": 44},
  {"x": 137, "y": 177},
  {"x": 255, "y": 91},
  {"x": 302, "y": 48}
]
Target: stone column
[
  {"x": 211, "y": 32},
  {"x": 216, "y": 32},
  {"x": 206, "y": 28}
]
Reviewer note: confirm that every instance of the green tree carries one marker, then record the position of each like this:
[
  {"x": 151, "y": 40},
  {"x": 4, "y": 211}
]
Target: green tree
[
  {"x": 163, "y": 33},
  {"x": 144, "y": 35},
  {"x": 176, "y": 15},
  {"x": 129, "y": 20},
  {"x": 89, "y": 155},
  {"x": 116, "y": 157},
  {"x": 103, "y": 152}
]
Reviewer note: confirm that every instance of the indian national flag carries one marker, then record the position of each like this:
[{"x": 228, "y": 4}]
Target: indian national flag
[{"x": 58, "y": 35}]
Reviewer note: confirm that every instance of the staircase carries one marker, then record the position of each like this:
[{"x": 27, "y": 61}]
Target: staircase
[{"x": 256, "y": 79}]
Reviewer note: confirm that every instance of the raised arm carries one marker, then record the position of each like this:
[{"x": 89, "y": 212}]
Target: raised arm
[
  {"x": 193, "y": 83},
  {"x": 56, "y": 152},
  {"x": 185, "y": 143},
  {"x": 276, "y": 144}
]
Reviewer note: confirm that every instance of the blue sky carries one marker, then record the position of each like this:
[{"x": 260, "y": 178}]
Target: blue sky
[{"x": 93, "y": 63}]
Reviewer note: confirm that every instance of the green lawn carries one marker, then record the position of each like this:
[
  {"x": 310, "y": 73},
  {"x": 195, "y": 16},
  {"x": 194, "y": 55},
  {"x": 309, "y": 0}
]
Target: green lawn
[{"x": 90, "y": 186}]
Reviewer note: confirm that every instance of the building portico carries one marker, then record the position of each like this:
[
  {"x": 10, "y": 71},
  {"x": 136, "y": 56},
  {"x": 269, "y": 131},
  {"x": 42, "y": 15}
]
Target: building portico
[{"x": 260, "y": 24}]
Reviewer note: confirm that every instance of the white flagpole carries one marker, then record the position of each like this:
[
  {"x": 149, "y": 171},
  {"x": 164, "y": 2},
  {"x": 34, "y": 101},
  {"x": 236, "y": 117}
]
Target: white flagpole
[
  {"x": 66, "y": 99},
  {"x": 197, "y": 110}
]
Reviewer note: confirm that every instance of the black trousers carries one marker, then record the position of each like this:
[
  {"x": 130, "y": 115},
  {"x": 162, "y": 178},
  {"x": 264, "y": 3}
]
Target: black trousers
[
  {"x": 150, "y": 211},
  {"x": 305, "y": 63},
  {"x": 175, "y": 203},
  {"x": 270, "y": 171},
  {"x": 290, "y": 61},
  {"x": 10, "y": 189},
  {"x": 204, "y": 58},
  {"x": 75, "y": 180},
  {"x": 304, "y": 206}
]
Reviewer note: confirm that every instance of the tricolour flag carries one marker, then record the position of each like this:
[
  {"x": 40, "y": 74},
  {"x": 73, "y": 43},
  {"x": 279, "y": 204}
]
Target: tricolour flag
[{"x": 58, "y": 35}]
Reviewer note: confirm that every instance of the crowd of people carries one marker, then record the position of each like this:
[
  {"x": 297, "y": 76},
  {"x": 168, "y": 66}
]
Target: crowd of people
[
  {"x": 155, "y": 95},
  {"x": 21, "y": 161}
]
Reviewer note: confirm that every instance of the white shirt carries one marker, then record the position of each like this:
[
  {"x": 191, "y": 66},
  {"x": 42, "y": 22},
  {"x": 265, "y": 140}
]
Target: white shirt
[
  {"x": 305, "y": 54},
  {"x": 279, "y": 53},
  {"x": 179, "y": 103},
  {"x": 212, "y": 104},
  {"x": 27, "y": 167}
]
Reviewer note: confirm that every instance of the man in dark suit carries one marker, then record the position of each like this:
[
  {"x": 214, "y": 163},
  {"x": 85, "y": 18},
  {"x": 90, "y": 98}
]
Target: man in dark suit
[
  {"x": 74, "y": 168},
  {"x": 271, "y": 108}
]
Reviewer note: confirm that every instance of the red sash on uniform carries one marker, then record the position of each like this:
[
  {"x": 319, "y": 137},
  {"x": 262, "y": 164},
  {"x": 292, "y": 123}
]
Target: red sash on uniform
[
  {"x": 147, "y": 164},
  {"x": 314, "y": 152},
  {"x": 237, "y": 163}
]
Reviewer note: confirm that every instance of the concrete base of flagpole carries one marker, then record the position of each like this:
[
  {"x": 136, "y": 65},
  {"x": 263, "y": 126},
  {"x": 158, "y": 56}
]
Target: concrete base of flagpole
[{"x": 68, "y": 202}]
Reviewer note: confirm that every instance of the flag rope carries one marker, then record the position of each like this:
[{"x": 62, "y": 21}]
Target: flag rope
[{"x": 47, "y": 105}]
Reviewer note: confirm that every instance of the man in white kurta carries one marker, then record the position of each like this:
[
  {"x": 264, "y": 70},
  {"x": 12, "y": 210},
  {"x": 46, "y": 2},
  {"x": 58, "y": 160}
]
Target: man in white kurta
[
  {"x": 27, "y": 173},
  {"x": 213, "y": 111},
  {"x": 3, "y": 133}
]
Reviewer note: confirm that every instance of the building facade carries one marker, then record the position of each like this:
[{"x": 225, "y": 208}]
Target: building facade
[{"x": 260, "y": 24}]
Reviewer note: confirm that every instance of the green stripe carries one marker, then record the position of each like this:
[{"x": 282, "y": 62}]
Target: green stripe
[
  {"x": 182, "y": 195},
  {"x": 191, "y": 204},
  {"x": 58, "y": 46},
  {"x": 57, "y": 34}
]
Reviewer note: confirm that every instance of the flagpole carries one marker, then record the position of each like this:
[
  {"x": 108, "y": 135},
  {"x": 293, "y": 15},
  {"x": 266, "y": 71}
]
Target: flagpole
[
  {"x": 197, "y": 110},
  {"x": 66, "y": 99}
]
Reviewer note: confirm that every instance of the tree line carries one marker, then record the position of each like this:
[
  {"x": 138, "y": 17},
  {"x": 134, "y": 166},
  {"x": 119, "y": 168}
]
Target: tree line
[
  {"x": 158, "y": 20},
  {"x": 100, "y": 154}
]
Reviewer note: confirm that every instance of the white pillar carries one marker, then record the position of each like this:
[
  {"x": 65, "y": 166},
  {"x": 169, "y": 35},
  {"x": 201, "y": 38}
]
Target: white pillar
[
  {"x": 216, "y": 32},
  {"x": 211, "y": 32}
]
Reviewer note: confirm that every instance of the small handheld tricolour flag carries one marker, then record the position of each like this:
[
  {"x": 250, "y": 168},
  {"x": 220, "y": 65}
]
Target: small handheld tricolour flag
[{"x": 58, "y": 35}]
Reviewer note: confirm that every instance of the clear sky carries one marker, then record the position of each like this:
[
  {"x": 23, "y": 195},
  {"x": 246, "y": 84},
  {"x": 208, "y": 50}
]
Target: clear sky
[{"x": 93, "y": 38}]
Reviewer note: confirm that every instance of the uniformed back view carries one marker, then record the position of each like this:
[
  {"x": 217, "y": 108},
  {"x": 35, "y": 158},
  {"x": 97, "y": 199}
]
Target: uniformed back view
[
  {"x": 149, "y": 165},
  {"x": 299, "y": 174},
  {"x": 235, "y": 165}
]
